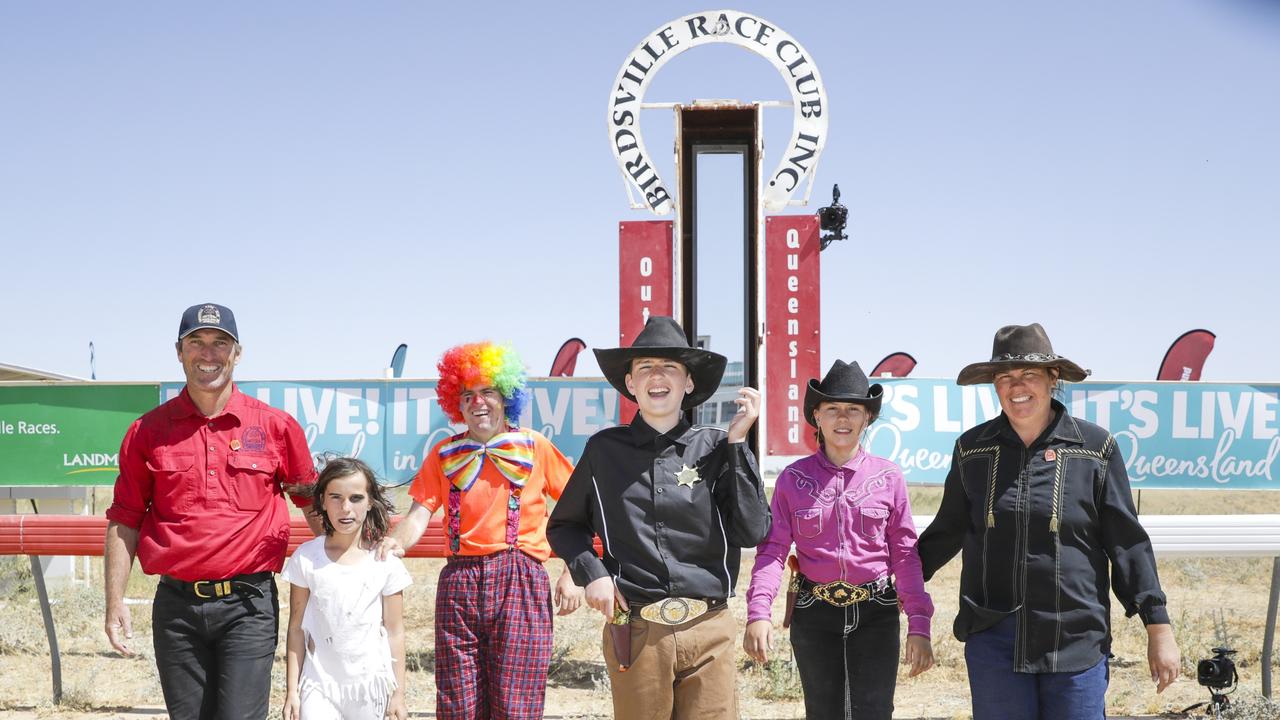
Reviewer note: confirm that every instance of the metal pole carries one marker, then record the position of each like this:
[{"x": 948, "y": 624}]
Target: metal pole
[
  {"x": 55, "y": 658},
  {"x": 1268, "y": 638}
]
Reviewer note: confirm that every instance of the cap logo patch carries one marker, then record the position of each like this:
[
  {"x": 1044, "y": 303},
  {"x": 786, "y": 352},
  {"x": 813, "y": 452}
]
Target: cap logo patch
[{"x": 209, "y": 315}]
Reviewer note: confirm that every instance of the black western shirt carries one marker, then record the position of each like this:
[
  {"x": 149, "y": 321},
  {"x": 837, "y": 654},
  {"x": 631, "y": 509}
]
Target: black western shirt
[
  {"x": 671, "y": 510},
  {"x": 1044, "y": 532}
]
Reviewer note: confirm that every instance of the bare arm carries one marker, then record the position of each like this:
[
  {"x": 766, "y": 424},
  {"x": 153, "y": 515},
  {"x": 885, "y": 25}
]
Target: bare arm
[
  {"x": 1162, "y": 655},
  {"x": 393, "y": 621},
  {"x": 407, "y": 533},
  {"x": 757, "y": 640},
  {"x": 568, "y": 596},
  {"x": 917, "y": 654},
  {"x": 295, "y": 651},
  {"x": 120, "y": 546},
  {"x": 748, "y": 402}
]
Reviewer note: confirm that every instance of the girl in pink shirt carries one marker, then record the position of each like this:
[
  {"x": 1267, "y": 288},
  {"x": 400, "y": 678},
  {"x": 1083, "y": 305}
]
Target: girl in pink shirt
[{"x": 847, "y": 514}]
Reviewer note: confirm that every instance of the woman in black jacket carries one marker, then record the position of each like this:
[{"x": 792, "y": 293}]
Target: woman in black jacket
[{"x": 1038, "y": 504}]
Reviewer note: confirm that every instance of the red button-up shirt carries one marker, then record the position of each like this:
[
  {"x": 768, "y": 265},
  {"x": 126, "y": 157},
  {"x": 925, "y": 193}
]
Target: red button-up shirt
[{"x": 206, "y": 493}]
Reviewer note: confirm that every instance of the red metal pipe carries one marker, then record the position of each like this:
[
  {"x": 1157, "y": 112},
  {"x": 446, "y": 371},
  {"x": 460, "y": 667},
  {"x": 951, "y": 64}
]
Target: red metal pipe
[{"x": 83, "y": 535}]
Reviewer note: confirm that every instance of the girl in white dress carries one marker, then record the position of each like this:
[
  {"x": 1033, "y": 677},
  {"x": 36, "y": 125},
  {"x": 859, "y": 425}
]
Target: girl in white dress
[{"x": 346, "y": 631}]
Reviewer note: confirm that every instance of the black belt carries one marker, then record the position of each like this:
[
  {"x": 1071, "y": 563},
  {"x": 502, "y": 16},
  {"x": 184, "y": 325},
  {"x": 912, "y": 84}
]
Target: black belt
[
  {"x": 842, "y": 594},
  {"x": 215, "y": 589},
  {"x": 711, "y": 604}
]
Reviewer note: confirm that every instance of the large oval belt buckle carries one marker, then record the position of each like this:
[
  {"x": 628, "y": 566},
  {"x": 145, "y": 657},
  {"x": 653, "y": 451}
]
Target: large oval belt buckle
[
  {"x": 674, "y": 611},
  {"x": 841, "y": 593}
]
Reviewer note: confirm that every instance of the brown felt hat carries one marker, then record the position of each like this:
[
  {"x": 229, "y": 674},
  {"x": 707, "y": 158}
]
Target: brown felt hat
[{"x": 1020, "y": 346}]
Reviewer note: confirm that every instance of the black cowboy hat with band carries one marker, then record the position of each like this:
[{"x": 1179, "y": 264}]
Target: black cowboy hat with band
[
  {"x": 1020, "y": 346},
  {"x": 844, "y": 383},
  {"x": 662, "y": 337}
]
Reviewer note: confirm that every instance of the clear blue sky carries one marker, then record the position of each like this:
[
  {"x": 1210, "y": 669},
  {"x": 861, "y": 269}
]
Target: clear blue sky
[{"x": 349, "y": 176}]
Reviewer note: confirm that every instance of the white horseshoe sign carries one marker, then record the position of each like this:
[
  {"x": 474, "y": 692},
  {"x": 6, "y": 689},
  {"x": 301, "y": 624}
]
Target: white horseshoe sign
[{"x": 808, "y": 95}]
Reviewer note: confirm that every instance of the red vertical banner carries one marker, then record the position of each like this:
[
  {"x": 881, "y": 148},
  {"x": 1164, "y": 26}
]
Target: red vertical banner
[
  {"x": 1185, "y": 358},
  {"x": 792, "y": 330},
  {"x": 644, "y": 283}
]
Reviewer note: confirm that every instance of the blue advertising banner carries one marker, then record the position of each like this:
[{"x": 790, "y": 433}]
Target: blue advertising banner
[
  {"x": 392, "y": 424},
  {"x": 1171, "y": 435}
]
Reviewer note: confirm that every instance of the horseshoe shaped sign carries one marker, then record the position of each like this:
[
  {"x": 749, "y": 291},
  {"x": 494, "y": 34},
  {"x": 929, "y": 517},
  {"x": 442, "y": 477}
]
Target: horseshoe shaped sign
[{"x": 749, "y": 32}]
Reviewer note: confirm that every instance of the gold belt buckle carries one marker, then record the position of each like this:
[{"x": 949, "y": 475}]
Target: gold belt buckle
[
  {"x": 674, "y": 611},
  {"x": 841, "y": 593},
  {"x": 220, "y": 589}
]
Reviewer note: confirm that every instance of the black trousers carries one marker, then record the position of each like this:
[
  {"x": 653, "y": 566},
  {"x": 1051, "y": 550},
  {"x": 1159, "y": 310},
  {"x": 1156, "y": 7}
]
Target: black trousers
[
  {"x": 214, "y": 656},
  {"x": 847, "y": 657}
]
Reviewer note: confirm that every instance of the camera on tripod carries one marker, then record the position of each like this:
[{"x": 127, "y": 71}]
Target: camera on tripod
[{"x": 1218, "y": 672}]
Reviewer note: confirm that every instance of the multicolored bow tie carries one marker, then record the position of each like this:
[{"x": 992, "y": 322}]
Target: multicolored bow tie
[{"x": 511, "y": 452}]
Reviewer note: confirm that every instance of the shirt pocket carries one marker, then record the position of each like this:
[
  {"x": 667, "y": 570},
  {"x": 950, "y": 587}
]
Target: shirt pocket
[
  {"x": 807, "y": 522},
  {"x": 871, "y": 522},
  {"x": 253, "y": 480},
  {"x": 174, "y": 478}
]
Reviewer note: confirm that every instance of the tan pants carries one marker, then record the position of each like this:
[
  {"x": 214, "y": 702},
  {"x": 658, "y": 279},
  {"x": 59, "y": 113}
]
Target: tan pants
[{"x": 683, "y": 672}]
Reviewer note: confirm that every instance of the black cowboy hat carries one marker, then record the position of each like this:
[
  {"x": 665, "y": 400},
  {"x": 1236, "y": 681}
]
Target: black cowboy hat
[
  {"x": 1020, "y": 346},
  {"x": 844, "y": 383},
  {"x": 662, "y": 337}
]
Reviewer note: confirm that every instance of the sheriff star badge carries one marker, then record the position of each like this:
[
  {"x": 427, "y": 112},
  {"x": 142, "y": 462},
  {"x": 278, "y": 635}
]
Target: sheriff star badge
[{"x": 687, "y": 476}]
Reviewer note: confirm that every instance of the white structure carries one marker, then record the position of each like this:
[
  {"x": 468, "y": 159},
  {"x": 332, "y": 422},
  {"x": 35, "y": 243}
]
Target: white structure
[{"x": 47, "y": 500}]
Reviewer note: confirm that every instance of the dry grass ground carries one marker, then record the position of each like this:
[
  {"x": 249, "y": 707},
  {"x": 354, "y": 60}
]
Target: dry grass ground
[{"x": 1213, "y": 601}]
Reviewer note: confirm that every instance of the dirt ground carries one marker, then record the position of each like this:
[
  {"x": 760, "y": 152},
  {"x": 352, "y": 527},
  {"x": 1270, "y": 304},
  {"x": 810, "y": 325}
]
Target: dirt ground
[{"x": 1212, "y": 602}]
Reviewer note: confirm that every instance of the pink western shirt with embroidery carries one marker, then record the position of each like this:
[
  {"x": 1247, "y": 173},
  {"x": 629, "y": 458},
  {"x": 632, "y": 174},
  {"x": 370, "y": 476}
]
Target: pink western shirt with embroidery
[{"x": 850, "y": 523}]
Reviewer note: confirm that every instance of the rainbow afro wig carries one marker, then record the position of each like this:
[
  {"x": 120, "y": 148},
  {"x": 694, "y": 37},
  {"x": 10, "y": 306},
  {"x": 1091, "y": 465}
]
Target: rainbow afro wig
[{"x": 482, "y": 363}]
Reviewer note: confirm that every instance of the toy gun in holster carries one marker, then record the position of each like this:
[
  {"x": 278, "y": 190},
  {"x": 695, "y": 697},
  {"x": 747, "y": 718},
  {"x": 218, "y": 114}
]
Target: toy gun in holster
[
  {"x": 793, "y": 587},
  {"x": 620, "y": 634}
]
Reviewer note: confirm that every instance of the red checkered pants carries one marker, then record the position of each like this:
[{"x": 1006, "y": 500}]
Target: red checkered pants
[{"x": 493, "y": 637}]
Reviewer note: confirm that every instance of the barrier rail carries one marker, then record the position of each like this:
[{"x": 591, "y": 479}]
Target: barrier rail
[
  {"x": 1202, "y": 535},
  {"x": 1216, "y": 536},
  {"x": 83, "y": 536},
  {"x": 1171, "y": 536},
  {"x": 43, "y": 535}
]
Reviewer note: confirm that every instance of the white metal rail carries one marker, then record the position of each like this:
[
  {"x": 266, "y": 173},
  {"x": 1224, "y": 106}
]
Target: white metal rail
[{"x": 1215, "y": 536}]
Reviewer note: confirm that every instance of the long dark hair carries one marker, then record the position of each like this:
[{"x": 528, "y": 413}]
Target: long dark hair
[{"x": 377, "y": 523}]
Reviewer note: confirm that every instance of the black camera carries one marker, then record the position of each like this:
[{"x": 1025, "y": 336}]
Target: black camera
[
  {"x": 832, "y": 220},
  {"x": 1219, "y": 671}
]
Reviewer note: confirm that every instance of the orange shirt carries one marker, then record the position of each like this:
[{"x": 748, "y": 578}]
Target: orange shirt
[{"x": 484, "y": 504}]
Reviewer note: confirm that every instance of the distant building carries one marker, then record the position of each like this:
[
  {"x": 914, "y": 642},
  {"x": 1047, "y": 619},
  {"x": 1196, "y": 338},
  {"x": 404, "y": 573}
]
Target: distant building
[
  {"x": 17, "y": 373},
  {"x": 720, "y": 408}
]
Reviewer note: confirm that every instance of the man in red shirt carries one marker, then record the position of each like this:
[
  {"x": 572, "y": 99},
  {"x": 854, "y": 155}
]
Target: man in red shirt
[{"x": 200, "y": 502}]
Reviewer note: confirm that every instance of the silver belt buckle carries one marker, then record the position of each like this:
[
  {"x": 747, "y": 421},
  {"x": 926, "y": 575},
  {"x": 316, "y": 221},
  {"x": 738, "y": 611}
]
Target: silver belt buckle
[{"x": 674, "y": 611}]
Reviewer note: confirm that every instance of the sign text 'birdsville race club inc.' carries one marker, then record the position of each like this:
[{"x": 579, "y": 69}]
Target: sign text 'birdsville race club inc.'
[
  {"x": 749, "y": 32},
  {"x": 1170, "y": 434}
]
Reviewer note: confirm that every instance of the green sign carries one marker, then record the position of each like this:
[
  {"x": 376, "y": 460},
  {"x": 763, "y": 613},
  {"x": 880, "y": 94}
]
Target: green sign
[{"x": 67, "y": 433}]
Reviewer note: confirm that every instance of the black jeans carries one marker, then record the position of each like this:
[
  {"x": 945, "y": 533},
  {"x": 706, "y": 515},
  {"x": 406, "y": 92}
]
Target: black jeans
[
  {"x": 214, "y": 656},
  {"x": 847, "y": 657}
]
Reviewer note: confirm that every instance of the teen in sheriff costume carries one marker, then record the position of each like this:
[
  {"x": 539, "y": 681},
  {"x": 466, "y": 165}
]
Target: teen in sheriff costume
[
  {"x": 672, "y": 504},
  {"x": 493, "y": 623}
]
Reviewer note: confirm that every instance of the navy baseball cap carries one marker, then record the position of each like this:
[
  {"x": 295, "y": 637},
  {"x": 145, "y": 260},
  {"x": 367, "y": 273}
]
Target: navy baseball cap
[{"x": 208, "y": 315}]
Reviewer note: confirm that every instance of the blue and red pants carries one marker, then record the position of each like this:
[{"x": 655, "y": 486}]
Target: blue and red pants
[{"x": 493, "y": 637}]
